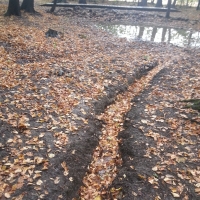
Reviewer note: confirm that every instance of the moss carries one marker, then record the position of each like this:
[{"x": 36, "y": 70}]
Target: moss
[{"x": 193, "y": 104}]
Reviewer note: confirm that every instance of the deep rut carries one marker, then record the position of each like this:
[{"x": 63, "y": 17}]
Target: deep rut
[{"x": 106, "y": 158}]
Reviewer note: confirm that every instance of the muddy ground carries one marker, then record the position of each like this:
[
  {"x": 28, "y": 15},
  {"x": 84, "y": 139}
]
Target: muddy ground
[
  {"x": 148, "y": 162},
  {"x": 134, "y": 180}
]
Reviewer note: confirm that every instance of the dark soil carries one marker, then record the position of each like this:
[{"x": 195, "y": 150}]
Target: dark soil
[
  {"x": 78, "y": 153},
  {"x": 132, "y": 180}
]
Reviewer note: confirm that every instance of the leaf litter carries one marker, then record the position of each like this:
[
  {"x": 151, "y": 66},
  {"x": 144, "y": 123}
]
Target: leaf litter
[
  {"x": 44, "y": 81},
  {"x": 161, "y": 139}
]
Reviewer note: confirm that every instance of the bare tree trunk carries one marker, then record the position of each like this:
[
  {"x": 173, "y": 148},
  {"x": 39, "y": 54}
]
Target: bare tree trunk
[
  {"x": 159, "y": 3},
  {"x": 187, "y": 3},
  {"x": 198, "y": 5},
  {"x": 168, "y": 9},
  {"x": 174, "y": 4},
  {"x": 82, "y": 2},
  {"x": 142, "y": 3},
  {"x": 28, "y": 6},
  {"x": 13, "y": 8},
  {"x": 54, "y": 6}
]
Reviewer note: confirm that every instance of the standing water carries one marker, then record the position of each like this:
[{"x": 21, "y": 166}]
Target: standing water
[{"x": 179, "y": 37}]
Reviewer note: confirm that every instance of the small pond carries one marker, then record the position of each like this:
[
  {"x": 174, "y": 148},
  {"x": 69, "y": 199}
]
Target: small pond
[{"x": 179, "y": 37}]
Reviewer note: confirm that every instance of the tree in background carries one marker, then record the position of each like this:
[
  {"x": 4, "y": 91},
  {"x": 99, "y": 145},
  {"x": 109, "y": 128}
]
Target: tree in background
[
  {"x": 142, "y": 3},
  {"x": 82, "y": 2},
  {"x": 28, "y": 6},
  {"x": 13, "y": 8},
  {"x": 198, "y": 5},
  {"x": 187, "y": 3},
  {"x": 54, "y": 6},
  {"x": 168, "y": 9},
  {"x": 174, "y": 4},
  {"x": 159, "y": 3}
]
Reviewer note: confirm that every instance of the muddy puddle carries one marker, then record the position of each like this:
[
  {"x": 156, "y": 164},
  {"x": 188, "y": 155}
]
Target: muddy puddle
[{"x": 178, "y": 37}]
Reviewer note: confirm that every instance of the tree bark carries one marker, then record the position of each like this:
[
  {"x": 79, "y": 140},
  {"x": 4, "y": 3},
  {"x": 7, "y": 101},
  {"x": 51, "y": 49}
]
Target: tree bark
[
  {"x": 198, "y": 5},
  {"x": 28, "y": 6},
  {"x": 142, "y": 3},
  {"x": 187, "y": 3},
  {"x": 168, "y": 9},
  {"x": 159, "y": 3},
  {"x": 54, "y": 6},
  {"x": 13, "y": 8},
  {"x": 82, "y": 2}
]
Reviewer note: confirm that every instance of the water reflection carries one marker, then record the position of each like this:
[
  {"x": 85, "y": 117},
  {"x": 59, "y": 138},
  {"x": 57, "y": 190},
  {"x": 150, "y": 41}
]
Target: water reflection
[{"x": 177, "y": 37}]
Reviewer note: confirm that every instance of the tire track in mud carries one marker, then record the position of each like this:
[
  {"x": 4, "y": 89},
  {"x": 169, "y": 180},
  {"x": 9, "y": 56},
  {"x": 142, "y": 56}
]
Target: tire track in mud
[{"x": 106, "y": 158}]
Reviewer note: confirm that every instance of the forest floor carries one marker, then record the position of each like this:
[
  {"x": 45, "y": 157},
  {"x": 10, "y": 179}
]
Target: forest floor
[{"x": 92, "y": 116}]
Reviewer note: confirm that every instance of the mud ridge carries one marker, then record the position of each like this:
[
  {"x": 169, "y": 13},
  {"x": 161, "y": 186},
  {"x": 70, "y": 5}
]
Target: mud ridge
[
  {"x": 78, "y": 154},
  {"x": 133, "y": 179},
  {"x": 113, "y": 91},
  {"x": 85, "y": 141}
]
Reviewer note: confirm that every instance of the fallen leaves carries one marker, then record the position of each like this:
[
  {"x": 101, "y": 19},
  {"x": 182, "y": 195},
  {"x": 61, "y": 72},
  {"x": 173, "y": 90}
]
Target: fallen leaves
[
  {"x": 57, "y": 180},
  {"x": 44, "y": 80},
  {"x": 175, "y": 135},
  {"x": 103, "y": 168},
  {"x": 64, "y": 166},
  {"x": 39, "y": 182}
]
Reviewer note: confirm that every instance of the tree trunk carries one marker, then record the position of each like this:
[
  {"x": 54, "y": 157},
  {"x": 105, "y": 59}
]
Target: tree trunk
[
  {"x": 28, "y": 6},
  {"x": 13, "y": 8},
  {"x": 54, "y": 6},
  {"x": 159, "y": 3},
  {"x": 142, "y": 3},
  {"x": 174, "y": 4},
  {"x": 82, "y": 2},
  {"x": 168, "y": 9},
  {"x": 198, "y": 5},
  {"x": 187, "y": 3}
]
